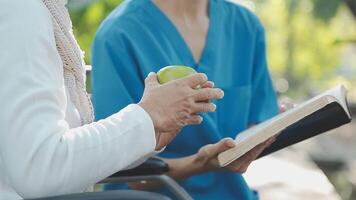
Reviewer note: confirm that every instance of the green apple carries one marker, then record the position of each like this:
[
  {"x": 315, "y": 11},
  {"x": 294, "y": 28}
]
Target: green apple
[{"x": 173, "y": 72}]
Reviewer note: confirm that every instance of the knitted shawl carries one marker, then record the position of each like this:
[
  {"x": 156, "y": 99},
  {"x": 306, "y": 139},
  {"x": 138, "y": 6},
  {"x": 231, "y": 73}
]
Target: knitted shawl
[{"x": 72, "y": 58}]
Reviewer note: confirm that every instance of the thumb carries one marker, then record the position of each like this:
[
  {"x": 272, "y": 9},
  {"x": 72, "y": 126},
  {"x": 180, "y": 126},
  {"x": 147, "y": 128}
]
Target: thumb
[
  {"x": 151, "y": 79},
  {"x": 222, "y": 145}
]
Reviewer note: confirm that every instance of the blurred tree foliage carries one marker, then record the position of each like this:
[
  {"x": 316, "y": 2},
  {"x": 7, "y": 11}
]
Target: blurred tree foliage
[
  {"x": 87, "y": 19},
  {"x": 306, "y": 38},
  {"x": 352, "y": 5},
  {"x": 326, "y": 11},
  {"x": 302, "y": 41}
]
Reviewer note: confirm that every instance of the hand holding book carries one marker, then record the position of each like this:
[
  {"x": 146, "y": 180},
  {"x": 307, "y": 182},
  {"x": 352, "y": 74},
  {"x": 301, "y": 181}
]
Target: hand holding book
[
  {"x": 241, "y": 164},
  {"x": 322, "y": 113},
  {"x": 206, "y": 158}
]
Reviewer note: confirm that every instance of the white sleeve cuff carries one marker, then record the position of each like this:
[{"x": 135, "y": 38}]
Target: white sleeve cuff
[
  {"x": 147, "y": 121},
  {"x": 147, "y": 125}
]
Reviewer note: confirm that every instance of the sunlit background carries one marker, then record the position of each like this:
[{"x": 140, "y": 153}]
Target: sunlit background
[{"x": 311, "y": 47}]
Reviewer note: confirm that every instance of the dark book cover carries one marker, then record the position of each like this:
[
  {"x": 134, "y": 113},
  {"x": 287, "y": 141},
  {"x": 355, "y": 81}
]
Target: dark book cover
[{"x": 330, "y": 117}]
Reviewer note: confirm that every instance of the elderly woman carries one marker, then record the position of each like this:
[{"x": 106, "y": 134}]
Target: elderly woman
[
  {"x": 49, "y": 144},
  {"x": 217, "y": 37}
]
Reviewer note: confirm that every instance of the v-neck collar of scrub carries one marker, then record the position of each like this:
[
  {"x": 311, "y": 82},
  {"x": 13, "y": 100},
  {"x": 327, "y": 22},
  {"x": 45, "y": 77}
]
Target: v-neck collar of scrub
[{"x": 179, "y": 41}]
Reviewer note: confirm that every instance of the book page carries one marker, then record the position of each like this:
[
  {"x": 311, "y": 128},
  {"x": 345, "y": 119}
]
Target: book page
[
  {"x": 340, "y": 96},
  {"x": 249, "y": 138}
]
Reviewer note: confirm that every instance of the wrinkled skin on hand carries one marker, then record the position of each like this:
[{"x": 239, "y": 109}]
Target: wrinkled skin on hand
[{"x": 176, "y": 104}]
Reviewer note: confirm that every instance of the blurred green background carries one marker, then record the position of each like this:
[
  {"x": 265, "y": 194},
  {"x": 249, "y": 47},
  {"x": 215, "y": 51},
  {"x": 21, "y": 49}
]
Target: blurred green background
[{"x": 311, "y": 47}]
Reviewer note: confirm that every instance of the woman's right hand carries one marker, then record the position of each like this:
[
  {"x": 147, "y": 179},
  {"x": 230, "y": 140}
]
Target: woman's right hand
[{"x": 176, "y": 104}]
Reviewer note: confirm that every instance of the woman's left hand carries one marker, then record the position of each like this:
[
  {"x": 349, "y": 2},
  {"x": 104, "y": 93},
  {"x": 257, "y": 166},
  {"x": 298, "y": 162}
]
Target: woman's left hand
[
  {"x": 207, "y": 157},
  {"x": 206, "y": 160}
]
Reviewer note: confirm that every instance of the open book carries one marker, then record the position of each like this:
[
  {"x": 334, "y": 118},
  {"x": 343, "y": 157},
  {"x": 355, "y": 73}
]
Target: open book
[{"x": 317, "y": 115}]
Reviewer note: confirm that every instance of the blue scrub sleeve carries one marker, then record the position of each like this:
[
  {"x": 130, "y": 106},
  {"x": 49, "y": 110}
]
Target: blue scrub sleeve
[
  {"x": 116, "y": 81},
  {"x": 264, "y": 100}
]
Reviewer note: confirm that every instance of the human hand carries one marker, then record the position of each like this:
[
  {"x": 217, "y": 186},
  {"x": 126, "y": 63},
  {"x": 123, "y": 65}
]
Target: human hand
[
  {"x": 207, "y": 156},
  {"x": 176, "y": 104}
]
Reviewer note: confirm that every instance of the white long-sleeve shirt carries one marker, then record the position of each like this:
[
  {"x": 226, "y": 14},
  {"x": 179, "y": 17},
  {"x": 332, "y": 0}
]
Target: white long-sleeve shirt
[{"x": 43, "y": 149}]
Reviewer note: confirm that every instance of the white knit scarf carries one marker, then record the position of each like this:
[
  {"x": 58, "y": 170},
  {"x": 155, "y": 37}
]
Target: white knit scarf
[{"x": 72, "y": 58}]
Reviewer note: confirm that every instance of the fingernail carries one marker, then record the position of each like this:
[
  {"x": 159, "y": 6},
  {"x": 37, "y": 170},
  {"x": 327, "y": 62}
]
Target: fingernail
[
  {"x": 150, "y": 74},
  {"x": 201, "y": 119},
  {"x": 230, "y": 143},
  {"x": 222, "y": 93},
  {"x": 214, "y": 106}
]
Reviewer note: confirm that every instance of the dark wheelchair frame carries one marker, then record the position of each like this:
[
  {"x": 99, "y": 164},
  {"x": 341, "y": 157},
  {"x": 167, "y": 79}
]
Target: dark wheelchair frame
[{"x": 153, "y": 169}]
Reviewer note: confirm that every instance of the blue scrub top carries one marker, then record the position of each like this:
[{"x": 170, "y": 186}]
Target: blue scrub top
[{"x": 138, "y": 38}]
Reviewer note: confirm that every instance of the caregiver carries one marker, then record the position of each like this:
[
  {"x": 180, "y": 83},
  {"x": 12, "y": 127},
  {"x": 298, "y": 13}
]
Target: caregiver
[{"x": 217, "y": 37}]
